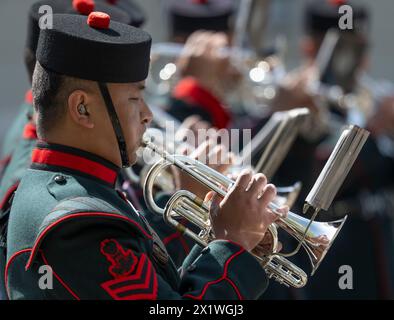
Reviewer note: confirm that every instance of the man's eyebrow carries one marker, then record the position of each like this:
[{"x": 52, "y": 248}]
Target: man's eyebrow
[{"x": 141, "y": 87}]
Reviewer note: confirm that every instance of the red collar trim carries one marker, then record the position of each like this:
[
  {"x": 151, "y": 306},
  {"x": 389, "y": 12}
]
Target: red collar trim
[
  {"x": 61, "y": 157},
  {"x": 30, "y": 132},
  {"x": 29, "y": 97},
  {"x": 192, "y": 92}
]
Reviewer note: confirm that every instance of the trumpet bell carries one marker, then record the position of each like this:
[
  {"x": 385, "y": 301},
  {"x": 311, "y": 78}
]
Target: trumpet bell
[
  {"x": 318, "y": 239},
  {"x": 316, "y": 254}
]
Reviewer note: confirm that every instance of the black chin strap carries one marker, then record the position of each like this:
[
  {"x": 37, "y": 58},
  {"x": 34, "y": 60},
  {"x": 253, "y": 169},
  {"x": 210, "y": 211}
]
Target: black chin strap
[{"x": 115, "y": 124}]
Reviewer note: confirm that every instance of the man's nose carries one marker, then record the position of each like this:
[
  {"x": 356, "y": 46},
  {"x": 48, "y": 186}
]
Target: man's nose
[{"x": 147, "y": 115}]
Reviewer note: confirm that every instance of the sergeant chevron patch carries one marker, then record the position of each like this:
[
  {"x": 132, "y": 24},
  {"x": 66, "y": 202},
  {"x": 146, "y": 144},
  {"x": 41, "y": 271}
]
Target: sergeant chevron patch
[{"x": 135, "y": 277}]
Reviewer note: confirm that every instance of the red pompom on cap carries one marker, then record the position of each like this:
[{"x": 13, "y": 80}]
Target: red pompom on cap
[
  {"x": 99, "y": 20},
  {"x": 84, "y": 7},
  {"x": 337, "y": 2}
]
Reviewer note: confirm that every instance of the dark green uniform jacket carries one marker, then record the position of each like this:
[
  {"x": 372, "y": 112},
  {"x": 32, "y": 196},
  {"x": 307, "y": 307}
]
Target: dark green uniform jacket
[
  {"x": 19, "y": 163},
  {"x": 13, "y": 174},
  {"x": 14, "y": 133},
  {"x": 176, "y": 244},
  {"x": 67, "y": 215}
]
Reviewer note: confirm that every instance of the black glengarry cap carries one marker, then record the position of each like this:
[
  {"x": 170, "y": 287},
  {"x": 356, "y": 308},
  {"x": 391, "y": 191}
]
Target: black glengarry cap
[
  {"x": 103, "y": 50},
  {"x": 80, "y": 7}
]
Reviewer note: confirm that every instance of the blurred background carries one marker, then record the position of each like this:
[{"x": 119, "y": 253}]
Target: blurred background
[{"x": 285, "y": 19}]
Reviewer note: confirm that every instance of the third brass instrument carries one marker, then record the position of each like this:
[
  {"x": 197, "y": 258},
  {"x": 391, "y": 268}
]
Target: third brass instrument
[{"x": 315, "y": 237}]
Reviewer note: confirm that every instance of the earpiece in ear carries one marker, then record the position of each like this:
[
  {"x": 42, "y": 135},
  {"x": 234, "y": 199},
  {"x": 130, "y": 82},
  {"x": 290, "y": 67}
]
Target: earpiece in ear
[{"x": 82, "y": 109}]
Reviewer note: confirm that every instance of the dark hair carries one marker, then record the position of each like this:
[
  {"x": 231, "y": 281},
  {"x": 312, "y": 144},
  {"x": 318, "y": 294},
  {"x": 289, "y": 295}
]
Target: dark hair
[
  {"x": 49, "y": 101},
  {"x": 30, "y": 62}
]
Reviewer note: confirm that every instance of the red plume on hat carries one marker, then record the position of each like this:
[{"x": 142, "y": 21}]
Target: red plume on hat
[{"x": 84, "y": 7}]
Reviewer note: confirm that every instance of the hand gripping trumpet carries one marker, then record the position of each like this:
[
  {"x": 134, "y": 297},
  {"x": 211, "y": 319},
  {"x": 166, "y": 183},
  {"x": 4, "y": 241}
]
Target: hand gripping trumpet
[{"x": 315, "y": 237}]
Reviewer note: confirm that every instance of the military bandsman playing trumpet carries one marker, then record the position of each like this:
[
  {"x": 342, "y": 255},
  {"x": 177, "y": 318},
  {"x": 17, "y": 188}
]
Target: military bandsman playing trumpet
[{"x": 87, "y": 88}]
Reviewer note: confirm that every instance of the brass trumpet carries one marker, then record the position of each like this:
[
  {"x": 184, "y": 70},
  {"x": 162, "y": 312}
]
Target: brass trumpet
[
  {"x": 186, "y": 204},
  {"x": 315, "y": 237}
]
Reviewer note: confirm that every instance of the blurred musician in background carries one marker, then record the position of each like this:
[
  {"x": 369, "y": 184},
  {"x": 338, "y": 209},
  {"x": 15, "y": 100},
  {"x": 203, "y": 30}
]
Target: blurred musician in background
[
  {"x": 367, "y": 242},
  {"x": 206, "y": 75}
]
